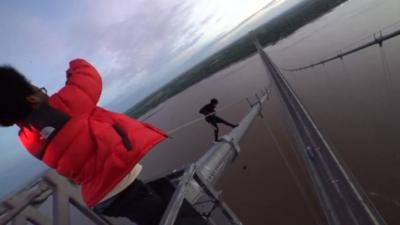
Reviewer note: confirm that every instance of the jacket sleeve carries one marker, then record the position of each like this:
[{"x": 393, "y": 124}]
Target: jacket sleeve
[
  {"x": 82, "y": 90},
  {"x": 83, "y": 76}
]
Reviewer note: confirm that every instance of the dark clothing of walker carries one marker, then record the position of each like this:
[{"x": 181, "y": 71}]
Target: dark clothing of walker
[
  {"x": 209, "y": 111},
  {"x": 134, "y": 203}
]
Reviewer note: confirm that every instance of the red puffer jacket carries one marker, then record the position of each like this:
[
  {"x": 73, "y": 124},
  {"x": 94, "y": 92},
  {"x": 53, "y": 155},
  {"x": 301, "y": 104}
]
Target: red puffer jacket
[{"x": 91, "y": 148}]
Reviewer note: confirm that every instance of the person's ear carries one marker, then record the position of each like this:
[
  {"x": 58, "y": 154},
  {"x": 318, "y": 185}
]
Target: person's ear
[{"x": 33, "y": 99}]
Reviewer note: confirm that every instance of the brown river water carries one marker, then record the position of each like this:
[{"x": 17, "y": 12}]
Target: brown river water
[{"x": 354, "y": 102}]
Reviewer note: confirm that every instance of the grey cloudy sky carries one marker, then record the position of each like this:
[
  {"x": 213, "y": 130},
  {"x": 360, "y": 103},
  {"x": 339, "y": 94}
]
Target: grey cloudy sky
[{"x": 137, "y": 45}]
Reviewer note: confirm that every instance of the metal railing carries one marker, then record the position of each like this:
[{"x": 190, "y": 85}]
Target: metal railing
[
  {"x": 24, "y": 206},
  {"x": 191, "y": 174}
]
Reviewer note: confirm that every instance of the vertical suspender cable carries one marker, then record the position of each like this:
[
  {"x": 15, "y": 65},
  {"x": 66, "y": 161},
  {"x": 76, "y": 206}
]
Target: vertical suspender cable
[
  {"x": 292, "y": 172},
  {"x": 386, "y": 71}
]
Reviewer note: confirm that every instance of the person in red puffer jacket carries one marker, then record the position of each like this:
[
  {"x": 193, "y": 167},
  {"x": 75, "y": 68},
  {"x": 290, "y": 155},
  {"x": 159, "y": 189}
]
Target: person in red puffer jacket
[{"x": 97, "y": 149}]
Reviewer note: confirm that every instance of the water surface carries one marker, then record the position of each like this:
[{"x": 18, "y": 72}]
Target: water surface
[{"x": 353, "y": 101}]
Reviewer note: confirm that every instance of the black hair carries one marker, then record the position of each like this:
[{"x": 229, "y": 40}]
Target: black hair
[
  {"x": 14, "y": 88},
  {"x": 214, "y": 101}
]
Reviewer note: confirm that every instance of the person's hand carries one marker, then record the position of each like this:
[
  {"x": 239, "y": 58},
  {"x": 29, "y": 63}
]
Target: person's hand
[{"x": 68, "y": 73}]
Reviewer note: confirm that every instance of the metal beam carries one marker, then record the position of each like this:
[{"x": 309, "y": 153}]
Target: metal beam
[
  {"x": 214, "y": 162},
  {"x": 177, "y": 198},
  {"x": 23, "y": 207}
]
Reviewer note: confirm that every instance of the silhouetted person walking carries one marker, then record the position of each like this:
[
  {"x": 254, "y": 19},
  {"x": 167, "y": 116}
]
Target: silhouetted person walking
[{"x": 209, "y": 111}]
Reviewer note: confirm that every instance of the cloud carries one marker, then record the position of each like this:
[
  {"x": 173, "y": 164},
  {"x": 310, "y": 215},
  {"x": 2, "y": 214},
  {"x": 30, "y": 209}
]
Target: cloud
[
  {"x": 136, "y": 45},
  {"x": 25, "y": 36},
  {"x": 130, "y": 43},
  {"x": 142, "y": 37}
]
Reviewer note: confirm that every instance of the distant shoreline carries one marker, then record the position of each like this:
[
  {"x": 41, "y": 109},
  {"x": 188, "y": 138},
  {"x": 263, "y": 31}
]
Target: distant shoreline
[{"x": 268, "y": 33}]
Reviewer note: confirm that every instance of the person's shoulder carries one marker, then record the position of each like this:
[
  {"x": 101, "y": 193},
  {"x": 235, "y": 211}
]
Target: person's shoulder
[{"x": 79, "y": 62}]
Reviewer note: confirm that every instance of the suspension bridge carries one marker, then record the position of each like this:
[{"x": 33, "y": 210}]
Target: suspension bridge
[{"x": 190, "y": 191}]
